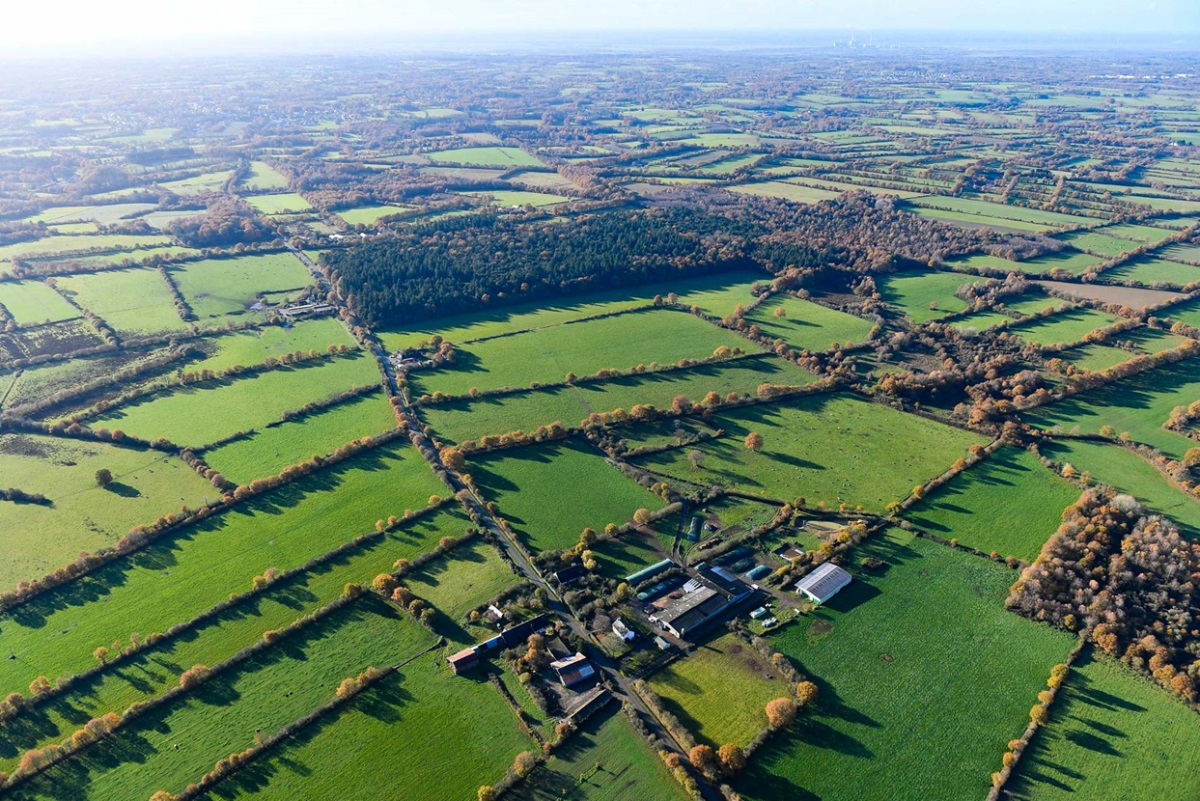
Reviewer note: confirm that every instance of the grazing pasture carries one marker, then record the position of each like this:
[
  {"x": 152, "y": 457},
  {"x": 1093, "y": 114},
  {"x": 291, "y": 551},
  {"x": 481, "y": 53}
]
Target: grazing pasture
[
  {"x": 805, "y": 325},
  {"x": 1064, "y": 328},
  {"x": 461, "y": 580},
  {"x": 549, "y": 354},
  {"x": 884, "y": 726},
  {"x": 1008, "y": 503},
  {"x": 924, "y": 296},
  {"x": 550, "y": 493},
  {"x": 220, "y": 287},
  {"x": 1153, "y": 271},
  {"x": 286, "y": 203},
  {"x": 34, "y": 303},
  {"x": 485, "y": 157},
  {"x": 369, "y": 215},
  {"x": 134, "y": 302},
  {"x": 828, "y": 449}
]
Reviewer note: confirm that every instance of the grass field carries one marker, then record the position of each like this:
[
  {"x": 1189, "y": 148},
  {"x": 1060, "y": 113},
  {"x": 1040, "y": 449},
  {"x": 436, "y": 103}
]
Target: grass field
[
  {"x": 1068, "y": 261},
  {"x": 510, "y": 198},
  {"x": 924, "y": 296},
  {"x": 369, "y": 215},
  {"x": 181, "y": 575},
  {"x": 485, "y": 157},
  {"x": 36, "y": 383},
  {"x": 415, "y": 719},
  {"x": 1156, "y": 271},
  {"x": 1065, "y": 328},
  {"x": 218, "y": 287},
  {"x": 1137, "y": 233},
  {"x": 134, "y": 302},
  {"x": 1096, "y": 357},
  {"x": 263, "y": 694},
  {"x": 158, "y": 668},
  {"x": 254, "y": 346},
  {"x": 79, "y": 243},
  {"x": 827, "y": 448},
  {"x": 1098, "y": 243},
  {"x": 605, "y": 761},
  {"x": 627, "y": 554},
  {"x": 1139, "y": 405},
  {"x": 1129, "y": 473},
  {"x": 548, "y": 354},
  {"x": 271, "y": 449},
  {"x": 550, "y": 493},
  {"x": 717, "y": 294},
  {"x": 808, "y": 326},
  {"x": 197, "y": 184},
  {"x": 1187, "y": 312},
  {"x": 84, "y": 516},
  {"x": 986, "y": 209},
  {"x": 719, "y": 691},
  {"x": 286, "y": 203},
  {"x": 1112, "y": 736},
  {"x": 970, "y": 220},
  {"x": 785, "y": 191},
  {"x": 198, "y": 415},
  {"x": 455, "y": 422},
  {"x": 34, "y": 303},
  {"x": 1007, "y": 503},
  {"x": 463, "y": 579},
  {"x": 923, "y": 678},
  {"x": 264, "y": 178}
]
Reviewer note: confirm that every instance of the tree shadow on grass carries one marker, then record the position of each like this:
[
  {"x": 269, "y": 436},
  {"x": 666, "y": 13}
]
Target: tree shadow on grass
[{"x": 122, "y": 489}]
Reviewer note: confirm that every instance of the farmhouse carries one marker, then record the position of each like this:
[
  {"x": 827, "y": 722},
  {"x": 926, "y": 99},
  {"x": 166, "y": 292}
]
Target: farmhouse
[
  {"x": 621, "y": 630},
  {"x": 823, "y": 583},
  {"x": 573, "y": 669},
  {"x": 705, "y": 597}
]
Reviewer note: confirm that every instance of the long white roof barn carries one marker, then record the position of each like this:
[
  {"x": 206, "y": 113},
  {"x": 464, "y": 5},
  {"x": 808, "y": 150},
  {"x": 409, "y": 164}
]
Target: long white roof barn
[{"x": 823, "y": 583}]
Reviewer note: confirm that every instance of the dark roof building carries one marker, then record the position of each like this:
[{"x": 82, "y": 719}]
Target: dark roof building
[{"x": 705, "y": 597}]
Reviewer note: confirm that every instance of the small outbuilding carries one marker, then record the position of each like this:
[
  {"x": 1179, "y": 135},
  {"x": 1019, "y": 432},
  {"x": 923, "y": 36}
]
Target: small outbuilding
[
  {"x": 823, "y": 583},
  {"x": 624, "y": 632},
  {"x": 573, "y": 669},
  {"x": 465, "y": 659}
]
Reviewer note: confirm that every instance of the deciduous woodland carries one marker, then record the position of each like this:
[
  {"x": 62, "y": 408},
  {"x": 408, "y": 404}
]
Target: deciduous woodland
[{"x": 766, "y": 423}]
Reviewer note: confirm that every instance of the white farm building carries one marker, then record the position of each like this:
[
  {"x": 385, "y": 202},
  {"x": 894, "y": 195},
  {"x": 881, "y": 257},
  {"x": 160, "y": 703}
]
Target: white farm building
[{"x": 823, "y": 583}]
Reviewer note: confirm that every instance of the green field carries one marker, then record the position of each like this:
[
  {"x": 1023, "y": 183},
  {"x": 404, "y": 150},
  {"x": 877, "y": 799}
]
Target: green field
[
  {"x": 186, "y": 573},
  {"x": 1112, "y": 736},
  {"x": 606, "y": 760},
  {"x": 924, "y": 296},
  {"x": 720, "y": 690},
  {"x": 198, "y": 184},
  {"x": 158, "y": 668},
  {"x": 808, "y": 326},
  {"x": 827, "y": 448},
  {"x": 1129, "y": 473},
  {"x": 218, "y": 287},
  {"x": 1098, "y": 243},
  {"x": 510, "y": 198},
  {"x": 254, "y": 346},
  {"x": 1064, "y": 328},
  {"x": 264, "y": 178},
  {"x": 276, "y": 447},
  {"x": 986, "y": 209},
  {"x": 485, "y": 157},
  {"x": 549, "y": 354},
  {"x": 1156, "y": 271},
  {"x": 471, "y": 574},
  {"x": 134, "y": 302},
  {"x": 1008, "y": 503},
  {"x": 717, "y": 294},
  {"x": 285, "y": 203},
  {"x": 107, "y": 214},
  {"x": 34, "y": 303},
  {"x": 1096, "y": 357},
  {"x": 550, "y": 493},
  {"x": 410, "y": 736},
  {"x": 79, "y": 243},
  {"x": 923, "y": 679},
  {"x": 1138, "y": 233},
  {"x": 198, "y": 415},
  {"x": 785, "y": 191},
  {"x": 460, "y": 420},
  {"x": 84, "y": 516},
  {"x": 369, "y": 215},
  {"x": 1139, "y": 405},
  {"x": 262, "y": 694},
  {"x": 971, "y": 220}
]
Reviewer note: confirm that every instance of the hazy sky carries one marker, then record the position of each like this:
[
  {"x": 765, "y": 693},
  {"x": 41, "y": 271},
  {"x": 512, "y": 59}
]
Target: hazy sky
[{"x": 26, "y": 25}]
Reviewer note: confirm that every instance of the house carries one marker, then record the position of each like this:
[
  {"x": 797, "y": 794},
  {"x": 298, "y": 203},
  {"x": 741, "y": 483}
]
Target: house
[
  {"x": 621, "y": 630},
  {"x": 573, "y": 669},
  {"x": 569, "y": 574},
  {"x": 707, "y": 595},
  {"x": 661, "y": 643},
  {"x": 465, "y": 659},
  {"x": 823, "y": 583},
  {"x": 493, "y": 615}
]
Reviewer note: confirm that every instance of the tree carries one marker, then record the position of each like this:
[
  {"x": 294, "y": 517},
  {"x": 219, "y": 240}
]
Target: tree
[
  {"x": 806, "y": 693},
  {"x": 104, "y": 477},
  {"x": 695, "y": 457},
  {"x": 703, "y": 758},
  {"x": 779, "y": 312},
  {"x": 101, "y": 655},
  {"x": 754, "y": 442},
  {"x": 641, "y": 517},
  {"x": 453, "y": 459},
  {"x": 486, "y": 793},
  {"x": 732, "y": 759},
  {"x": 524, "y": 764},
  {"x": 780, "y": 712}
]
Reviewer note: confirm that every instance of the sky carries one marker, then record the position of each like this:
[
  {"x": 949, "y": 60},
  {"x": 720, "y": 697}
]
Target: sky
[{"x": 74, "y": 24}]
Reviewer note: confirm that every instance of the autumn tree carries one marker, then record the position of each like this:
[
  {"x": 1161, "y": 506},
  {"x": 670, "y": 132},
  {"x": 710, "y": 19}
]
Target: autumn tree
[
  {"x": 486, "y": 793},
  {"x": 732, "y": 759},
  {"x": 641, "y": 516},
  {"x": 524, "y": 764},
  {"x": 806, "y": 693},
  {"x": 780, "y": 712},
  {"x": 754, "y": 442},
  {"x": 703, "y": 758}
]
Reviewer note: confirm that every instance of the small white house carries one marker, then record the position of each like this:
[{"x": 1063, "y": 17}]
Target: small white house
[
  {"x": 823, "y": 583},
  {"x": 621, "y": 630}
]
